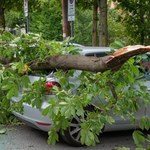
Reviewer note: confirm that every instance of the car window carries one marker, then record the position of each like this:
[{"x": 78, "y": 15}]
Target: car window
[{"x": 97, "y": 54}]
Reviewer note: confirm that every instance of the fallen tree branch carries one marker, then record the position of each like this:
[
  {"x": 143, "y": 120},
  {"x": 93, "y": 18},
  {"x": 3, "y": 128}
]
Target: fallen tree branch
[
  {"x": 94, "y": 64},
  {"x": 67, "y": 62}
]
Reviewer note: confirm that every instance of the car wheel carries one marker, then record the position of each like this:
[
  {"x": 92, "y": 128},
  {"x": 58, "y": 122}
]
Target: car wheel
[{"x": 72, "y": 134}]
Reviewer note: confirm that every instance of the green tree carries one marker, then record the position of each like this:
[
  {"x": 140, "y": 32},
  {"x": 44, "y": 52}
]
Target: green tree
[
  {"x": 101, "y": 18},
  {"x": 42, "y": 19},
  {"x": 14, "y": 18},
  {"x": 83, "y": 26},
  {"x": 136, "y": 15},
  {"x": 117, "y": 28},
  {"x": 47, "y": 20},
  {"x": 7, "y": 5}
]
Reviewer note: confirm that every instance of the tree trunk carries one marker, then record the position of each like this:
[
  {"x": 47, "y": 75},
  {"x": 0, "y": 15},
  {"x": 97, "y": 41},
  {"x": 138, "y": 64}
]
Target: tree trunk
[
  {"x": 66, "y": 24},
  {"x": 2, "y": 18},
  {"x": 95, "y": 19},
  {"x": 103, "y": 30}
]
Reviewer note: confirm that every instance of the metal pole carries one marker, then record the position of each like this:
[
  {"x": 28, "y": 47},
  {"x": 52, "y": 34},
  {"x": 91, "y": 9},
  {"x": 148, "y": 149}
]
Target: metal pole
[
  {"x": 27, "y": 24},
  {"x": 26, "y": 16},
  {"x": 72, "y": 29}
]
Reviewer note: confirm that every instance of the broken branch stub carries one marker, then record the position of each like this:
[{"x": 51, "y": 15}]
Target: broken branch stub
[{"x": 123, "y": 54}]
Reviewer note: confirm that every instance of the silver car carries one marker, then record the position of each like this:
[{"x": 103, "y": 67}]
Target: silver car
[{"x": 34, "y": 118}]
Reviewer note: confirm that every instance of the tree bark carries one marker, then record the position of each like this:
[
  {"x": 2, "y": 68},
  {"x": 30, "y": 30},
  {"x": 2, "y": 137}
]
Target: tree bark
[
  {"x": 2, "y": 18},
  {"x": 67, "y": 62},
  {"x": 103, "y": 29},
  {"x": 95, "y": 20},
  {"x": 66, "y": 24}
]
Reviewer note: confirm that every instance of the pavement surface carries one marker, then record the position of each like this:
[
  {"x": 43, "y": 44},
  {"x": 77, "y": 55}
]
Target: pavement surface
[{"x": 26, "y": 138}]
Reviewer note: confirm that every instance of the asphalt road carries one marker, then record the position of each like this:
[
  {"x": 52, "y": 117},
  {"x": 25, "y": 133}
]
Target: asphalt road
[{"x": 26, "y": 138}]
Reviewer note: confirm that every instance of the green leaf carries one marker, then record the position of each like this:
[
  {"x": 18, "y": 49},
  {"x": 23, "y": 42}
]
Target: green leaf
[
  {"x": 3, "y": 131},
  {"x": 144, "y": 123},
  {"x": 45, "y": 111},
  {"x": 7, "y": 86},
  {"x": 63, "y": 123},
  {"x": 117, "y": 44},
  {"x": 63, "y": 81},
  {"x": 138, "y": 137},
  {"x": 7, "y": 36},
  {"x": 52, "y": 101},
  {"x": 87, "y": 137},
  {"x": 53, "y": 136},
  {"x": 56, "y": 110},
  {"x": 63, "y": 110},
  {"x": 37, "y": 102},
  {"x": 25, "y": 80},
  {"x": 63, "y": 103},
  {"x": 109, "y": 119},
  {"x": 89, "y": 97},
  {"x": 12, "y": 92},
  {"x": 79, "y": 109}
]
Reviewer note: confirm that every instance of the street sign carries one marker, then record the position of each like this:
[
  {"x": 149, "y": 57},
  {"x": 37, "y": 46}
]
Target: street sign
[{"x": 71, "y": 10}]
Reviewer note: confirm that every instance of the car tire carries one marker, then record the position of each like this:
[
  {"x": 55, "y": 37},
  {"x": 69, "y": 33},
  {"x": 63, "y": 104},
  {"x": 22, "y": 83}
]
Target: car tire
[{"x": 72, "y": 134}]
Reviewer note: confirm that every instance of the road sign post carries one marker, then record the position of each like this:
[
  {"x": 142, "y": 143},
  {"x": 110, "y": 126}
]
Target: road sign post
[
  {"x": 71, "y": 15},
  {"x": 71, "y": 10}
]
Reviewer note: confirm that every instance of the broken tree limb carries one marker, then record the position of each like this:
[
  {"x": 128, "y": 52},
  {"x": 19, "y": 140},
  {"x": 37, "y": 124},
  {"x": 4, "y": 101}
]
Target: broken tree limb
[
  {"x": 67, "y": 62},
  {"x": 94, "y": 64}
]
